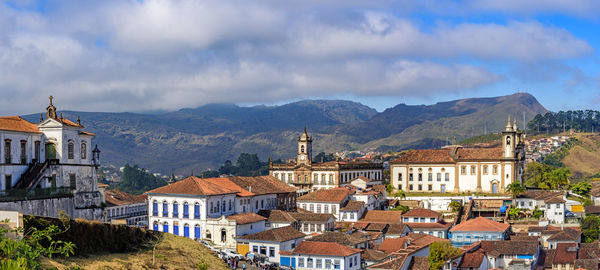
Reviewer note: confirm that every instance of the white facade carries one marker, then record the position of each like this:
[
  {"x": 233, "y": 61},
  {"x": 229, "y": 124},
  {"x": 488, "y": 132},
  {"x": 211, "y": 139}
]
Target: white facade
[
  {"x": 136, "y": 214},
  {"x": 271, "y": 249},
  {"x": 321, "y": 207},
  {"x": 555, "y": 212},
  {"x": 306, "y": 261}
]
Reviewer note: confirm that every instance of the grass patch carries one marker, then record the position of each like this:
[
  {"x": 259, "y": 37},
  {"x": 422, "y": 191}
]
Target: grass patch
[{"x": 172, "y": 252}]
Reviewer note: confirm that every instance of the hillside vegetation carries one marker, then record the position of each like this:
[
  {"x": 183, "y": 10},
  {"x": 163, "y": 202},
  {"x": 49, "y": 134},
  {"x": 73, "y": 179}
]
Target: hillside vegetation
[
  {"x": 203, "y": 138},
  {"x": 173, "y": 252},
  {"x": 584, "y": 157}
]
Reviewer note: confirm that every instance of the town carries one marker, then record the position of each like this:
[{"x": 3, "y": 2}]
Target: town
[{"x": 456, "y": 207}]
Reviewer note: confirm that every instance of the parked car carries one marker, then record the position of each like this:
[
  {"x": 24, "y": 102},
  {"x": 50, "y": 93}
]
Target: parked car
[{"x": 230, "y": 254}]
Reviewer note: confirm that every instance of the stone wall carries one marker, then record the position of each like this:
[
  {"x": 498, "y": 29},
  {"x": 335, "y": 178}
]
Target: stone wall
[{"x": 51, "y": 208}]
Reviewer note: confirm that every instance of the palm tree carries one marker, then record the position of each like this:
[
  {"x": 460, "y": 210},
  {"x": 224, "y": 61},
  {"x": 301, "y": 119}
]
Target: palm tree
[{"x": 515, "y": 189}]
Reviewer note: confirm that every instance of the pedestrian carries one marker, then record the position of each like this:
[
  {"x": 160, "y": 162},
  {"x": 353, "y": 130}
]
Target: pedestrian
[{"x": 243, "y": 266}]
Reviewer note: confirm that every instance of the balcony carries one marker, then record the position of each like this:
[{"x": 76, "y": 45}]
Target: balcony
[{"x": 34, "y": 194}]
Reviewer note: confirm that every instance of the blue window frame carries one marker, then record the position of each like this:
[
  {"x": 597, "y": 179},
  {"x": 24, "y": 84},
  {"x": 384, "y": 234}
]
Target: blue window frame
[
  {"x": 175, "y": 229},
  {"x": 175, "y": 210},
  {"x": 197, "y": 211},
  {"x": 165, "y": 209},
  {"x": 422, "y": 219},
  {"x": 186, "y": 230},
  {"x": 186, "y": 212},
  {"x": 166, "y": 227},
  {"x": 155, "y": 209},
  {"x": 197, "y": 232},
  {"x": 155, "y": 226}
]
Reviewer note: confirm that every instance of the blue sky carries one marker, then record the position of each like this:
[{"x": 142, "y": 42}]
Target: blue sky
[{"x": 166, "y": 55}]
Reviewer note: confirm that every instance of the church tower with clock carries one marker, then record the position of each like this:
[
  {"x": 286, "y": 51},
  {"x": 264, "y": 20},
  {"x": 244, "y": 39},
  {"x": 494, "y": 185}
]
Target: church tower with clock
[{"x": 304, "y": 149}]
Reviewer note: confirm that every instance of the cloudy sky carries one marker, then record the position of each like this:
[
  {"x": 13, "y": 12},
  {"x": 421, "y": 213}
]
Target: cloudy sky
[{"x": 165, "y": 55}]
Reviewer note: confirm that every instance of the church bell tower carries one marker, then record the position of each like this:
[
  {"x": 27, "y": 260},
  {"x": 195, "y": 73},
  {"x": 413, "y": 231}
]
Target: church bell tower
[
  {"x": 304, "y": 149},
  {"x": 510, "y": 139}
]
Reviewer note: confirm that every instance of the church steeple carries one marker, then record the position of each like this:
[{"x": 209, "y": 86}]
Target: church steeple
[
  {"x": 304, "y": 149},
  {"x": 509, "y": 127},
  {"x": 172, "y": 179},
  {"x": 51, "y": 110}
]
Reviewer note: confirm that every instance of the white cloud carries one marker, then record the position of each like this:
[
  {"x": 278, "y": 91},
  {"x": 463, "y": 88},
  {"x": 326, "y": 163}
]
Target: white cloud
[{"x": 157, "y": 54}]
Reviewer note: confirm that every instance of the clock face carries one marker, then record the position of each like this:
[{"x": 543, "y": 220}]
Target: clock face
[{"x": 303, "y": 157}]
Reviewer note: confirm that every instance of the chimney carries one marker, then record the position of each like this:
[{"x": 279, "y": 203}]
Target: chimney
[{"x": 250, "y": 188}]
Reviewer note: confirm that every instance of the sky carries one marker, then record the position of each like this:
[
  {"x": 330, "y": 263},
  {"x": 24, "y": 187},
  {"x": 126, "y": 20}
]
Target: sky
[{"x": 155, "y": 55}]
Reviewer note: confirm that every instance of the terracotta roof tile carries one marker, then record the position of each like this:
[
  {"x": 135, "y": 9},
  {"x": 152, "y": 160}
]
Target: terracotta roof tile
[
  {"x": 68, "y": 122},
  {"x": 565, "y": 253},
  {"x": 373, "y": 255},
  {"x": 429, "y": 225},
  {"x": 338, "y": 237},
  {"x": 479, "y": 154},
  {"x": 246, "y": 218},
  {"x": 202, "y": 186},
  {"x": 426, "y": 156},
  {"x": 277, "y": 216},
  {"x": 394, "y": 229},
  {"x": 311, "y": 217},
  {"x": 480, "y": 224},
  {"x": 381, "y": 216},
  {"x": 510, "y": 247},
  {"x": 336, "y": 195},
  {"x": 422, "y": 212},
  {"x": 117, "y": 197},
  {"x": 16, "y": 123},
  {"x": 262, "y": 184},
  {"x": 325, "y": 249},
  {"x": 394, "y": 264},
  {"x": 419, "y": 263},
  {"x": 281, "y": 234},
  {"x": 353, "y": 206},
  {"x": 592, "y": 209},
  {"x": 568, "y": 234},
  {"x": 420, "y": 240},
  {"x": 376, "y": 227},
  {"x": 472, "y": 259}
]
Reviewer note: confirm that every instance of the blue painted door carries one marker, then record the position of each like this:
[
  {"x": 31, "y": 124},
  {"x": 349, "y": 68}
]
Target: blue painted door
[
  {"x": 197, "y": 232},
  {"x": 155, "y": 226},
  {"x": 186, "y": 231},
  {"x": 285, "y": 261},
  {"x": 166, "y": 228},
  {"x": 495, "y": 188},
  {"x": 293, "y": 265},
  {"x": 175, "y": 229}
]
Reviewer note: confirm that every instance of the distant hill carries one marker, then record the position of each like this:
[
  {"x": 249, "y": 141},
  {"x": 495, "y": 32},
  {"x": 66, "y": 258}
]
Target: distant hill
[
  {"x": 204, "y": 137},
  {"x": 584, "y": 157}
]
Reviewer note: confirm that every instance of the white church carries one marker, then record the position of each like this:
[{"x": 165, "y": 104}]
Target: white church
[
  {"x": 457, "y": 169},
  {"x": 48, "y": 167}
]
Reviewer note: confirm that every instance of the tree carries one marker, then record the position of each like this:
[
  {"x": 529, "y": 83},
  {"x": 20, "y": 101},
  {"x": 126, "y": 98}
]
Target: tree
[
  {"x": 455, "y": 206},
  {"x": 582, "y": 188},
  {"x": 559, "y": 178},
  {"x": 515, "y": 189},
  {"x": 389, "y": 188},
  {"x": 440, "y": 253},
  {"x": 25, "y": 252},
  {"x": 401, "y": 208},
  {"x": 136, "y": 180},
  {"x": 590, "y": 228},
  {"x": 322, "y": 157},
  {"x": 515, "y": 213},
  {"x": 535, "y": 173}
]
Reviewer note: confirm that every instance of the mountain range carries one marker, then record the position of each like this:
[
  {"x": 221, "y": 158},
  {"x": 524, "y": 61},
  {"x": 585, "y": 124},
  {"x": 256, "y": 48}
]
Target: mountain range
[{"x": 206, "y": 136}]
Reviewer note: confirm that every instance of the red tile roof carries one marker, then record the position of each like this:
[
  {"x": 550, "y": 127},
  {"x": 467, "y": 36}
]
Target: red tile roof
[
  {"x": 262, "y": 184},
  {"x": 281, "y": 234},
  {"x": 68, "y": 122},
  {"x": 16, "y": 123},
  {"x": 422, "y": 212},
  {"x": 565, "y": 253},
  {"x": 353, "y": 206},
  {"x": 246, "y": 218},
  {"x": 472, "y": 259},
  {"x": 480, "y": 224},
  {"x": 117, "y": 197},
  {"x": 429, "y": 225},
  {"x": 324, "y": 249},
  {"x": 202, "y": 186},
  {"x": 381, "y": 216},
  {"x": 334, "y": 195},
  {"x": 444, "y": 156}
]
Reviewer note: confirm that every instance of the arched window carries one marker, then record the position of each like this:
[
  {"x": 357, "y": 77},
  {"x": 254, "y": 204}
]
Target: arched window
[
  {"x": 302, "y": 149},
  {"x": 166, "y": 227},
  {"x": 165, "y": 209},
  {"x": 331, "y": 179},
  {"x": 186, "y": 230},
  {"x": 197, "y": 231},
  {"x": 83, "y": 150},
  {"x": 197, "y": 211},
  {"x": 155, "y": 226},
  {"x": 155, "y": 209},
  {"x": 186, "y": 211},
  {"x": 323, "y": 179},
  {"x": 175, "y": 210},
  {"x": 71, "y": 150}
]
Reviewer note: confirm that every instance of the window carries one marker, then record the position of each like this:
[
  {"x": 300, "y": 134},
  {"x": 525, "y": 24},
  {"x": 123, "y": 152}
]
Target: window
[
  {"x": 406, "y": 219},
  {"x": 271, "y": 252},
  {"x": 495, "y": 169},
  {"x": 300, "y": 262},
  {"x": 7, "y": 153},
  {"x": 432, "y": 220},
  {"x": 473, "y": 169},
  {"x": 224, "y": 236},
  {"x": 176, "y": 228},
  {"x": 331, "y": 179},
  {"x": 71, "y": 150},
  {"x": 83, "y": 150},
  {"x": 399, "y": 177},
  {"x": 72, "y": 181},
  {"x": 23, "y": 152},
  {"x": 400, "y": 187},
  {"x": 430, "y": 177},
  {"x": 336, "y": 264},
  {"x": 7, "y": 182},
  {"x": 328, "y": 263},
  {"x": 420, "y": 177},
  {"x": 312, "y": 208},
  {"x": 155, "y": 210},
  {"x": 319, "y": 263},
  {"x": 410, "y": 177},
  {"x": 463, "y": 169},
  {"x": 255, "y": 249},
  {"x": 186, "y": 212},
  {"x": 410, "y": 187},
  {"x": 439, "y": 177},
  {"x": 333, "y": 209},
  {"x": 485, "y": 169},
  {"x": 197, "y": 211},
  {"x": 422, "y": 220},
  {"x": 309, "y": 263},
  {"x": 326, "y": 208},
  {"x": 229, "y": 205},
  {"x": 175, "y": 210},
  {"x": 37, "y": 150},
  {"x": 165, "y": 209},
  {"x": 318, "y": 208},
  {"x": 351, "y": 262},
  {"x": 420, "y": 187},
  {"x": 447, "y": 177}
]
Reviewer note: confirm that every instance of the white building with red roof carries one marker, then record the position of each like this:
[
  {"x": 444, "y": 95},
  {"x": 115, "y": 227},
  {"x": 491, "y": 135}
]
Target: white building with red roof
[
  {"x": 458, "y": 169},
  {"x": 478, "y": 229},
  {"x": 322, "y": 255},
  {"x": 49, "y": 163}
]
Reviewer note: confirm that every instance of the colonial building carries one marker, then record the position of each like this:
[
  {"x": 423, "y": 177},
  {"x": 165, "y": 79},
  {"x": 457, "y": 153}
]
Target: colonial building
[
  {"x": 459, "y": 169},
  {"x": 309, "y": 175},
  {"x": 48, "y": 167}
]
